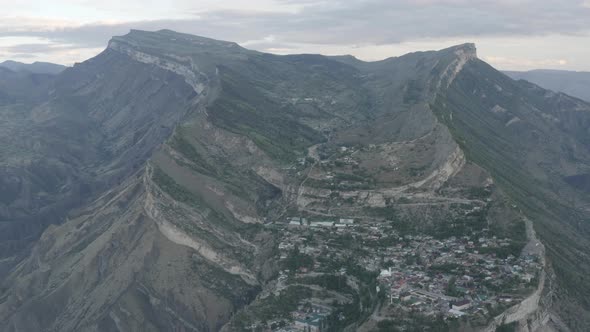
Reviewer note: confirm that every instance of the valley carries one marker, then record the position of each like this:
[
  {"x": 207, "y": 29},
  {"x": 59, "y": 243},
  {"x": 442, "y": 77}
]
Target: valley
[{"x": 181, "y": 183}]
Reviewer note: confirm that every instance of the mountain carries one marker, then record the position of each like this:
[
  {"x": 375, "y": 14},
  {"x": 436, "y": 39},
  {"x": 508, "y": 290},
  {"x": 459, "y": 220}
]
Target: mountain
[
  {"x": 35, "y": 67},
  {"x": 573, "y": 83},
  {"x": 147, "y": 190},
  {"x": 22, "y": 86}
]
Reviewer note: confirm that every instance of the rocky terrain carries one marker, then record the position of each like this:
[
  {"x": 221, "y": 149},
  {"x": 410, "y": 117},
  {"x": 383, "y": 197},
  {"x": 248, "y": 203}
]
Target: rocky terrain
[{"x": 138, "y": 185}]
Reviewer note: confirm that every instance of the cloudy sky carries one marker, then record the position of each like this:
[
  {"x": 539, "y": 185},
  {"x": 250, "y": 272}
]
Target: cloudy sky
[{"x": 510, "y": 34}]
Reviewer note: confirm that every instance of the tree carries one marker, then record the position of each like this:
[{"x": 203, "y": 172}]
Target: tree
[{"x": 452, "y": 287}]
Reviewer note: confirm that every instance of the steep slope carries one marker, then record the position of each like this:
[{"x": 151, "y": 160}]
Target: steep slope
[
  {"x": 534, "y": 142},
  {"x": 90, "y": 128},
  {"x": 22, "y": 87},
  {"x": 171, "y": 158},
  {"x": 118, "y": 110},
  {"x": 202, "y": 191},
  {"x": 573, "y": 83}
]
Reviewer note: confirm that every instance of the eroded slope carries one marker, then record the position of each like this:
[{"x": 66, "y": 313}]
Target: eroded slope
[{"x": 190, "y": 146}]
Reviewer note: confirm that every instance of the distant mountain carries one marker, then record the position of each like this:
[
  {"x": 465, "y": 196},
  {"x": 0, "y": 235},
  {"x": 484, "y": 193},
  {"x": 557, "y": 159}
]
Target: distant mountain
[
  {"x": 148, "y": 188},
  {"x": 573, "y": 83},
  {"x": 23, "y": 86},
  {"x": 35, "y": 67}
]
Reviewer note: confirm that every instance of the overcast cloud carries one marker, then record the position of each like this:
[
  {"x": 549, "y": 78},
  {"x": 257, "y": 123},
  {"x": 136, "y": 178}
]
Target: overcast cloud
[{"x": 515, "y": 34}]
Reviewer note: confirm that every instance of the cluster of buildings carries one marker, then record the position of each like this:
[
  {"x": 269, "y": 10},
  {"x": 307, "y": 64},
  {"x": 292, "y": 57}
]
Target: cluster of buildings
[
  {"x": 309, "y": 318},
  {"x": 300, "y": 221},
  {"x": 451, "y": 277}
]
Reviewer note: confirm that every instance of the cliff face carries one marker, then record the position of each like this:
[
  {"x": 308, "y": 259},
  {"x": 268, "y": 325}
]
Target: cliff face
[
  {"x": 527, "y": 139},
  {"x": 97, "y": 124},
  {"x": 160, "y": 160},
  {"x": 115, "y": 255}
]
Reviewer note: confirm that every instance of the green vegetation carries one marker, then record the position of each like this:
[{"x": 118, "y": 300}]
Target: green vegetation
[
  {"x": 388, "y": 326},
  {"x": 176, "y": 191},
  {"x": 182, "y": 145},
  {"x": 296, "y": 260},
  {"x": 243, "y": 183},
  {"x": 478, "y": 192},
  {"x": 272, "y": 307},
  {"x": 502, "y": 150},
  {"x": 413, "y": 91},
  {"x": 181, "y": 194},
  {"x": 328, "y": 281},
  {"x": 223, "y": 283},
  {"x": 244, "y": 109},
  {"x": 414, "y": 323},
  {"x": 512, "y": 327},
  {"x": 451, "y": 289},
  {"x": 358, "y": 180}
]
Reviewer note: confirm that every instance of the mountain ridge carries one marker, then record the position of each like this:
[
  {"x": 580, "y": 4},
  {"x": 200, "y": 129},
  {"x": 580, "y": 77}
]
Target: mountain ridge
[
  {"x": 574, "y": 83},
  {"x": 34, "y": 68},
  {"x": 216, "y": 155}
]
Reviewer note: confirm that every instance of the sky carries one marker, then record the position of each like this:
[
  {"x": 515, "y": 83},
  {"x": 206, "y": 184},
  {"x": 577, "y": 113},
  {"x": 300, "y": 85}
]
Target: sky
[{"x": 509, "y": 34}]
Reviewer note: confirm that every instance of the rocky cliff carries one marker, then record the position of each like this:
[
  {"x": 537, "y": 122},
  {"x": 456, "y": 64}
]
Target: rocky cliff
[{"x": 139, "y": 185}]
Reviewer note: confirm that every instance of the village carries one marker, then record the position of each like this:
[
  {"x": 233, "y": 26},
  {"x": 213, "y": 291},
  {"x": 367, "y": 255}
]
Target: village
[{"x": 471, "y": 277}]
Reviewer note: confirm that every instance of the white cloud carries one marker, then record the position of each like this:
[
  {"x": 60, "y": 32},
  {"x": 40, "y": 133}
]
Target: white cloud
[
  {"x": 370, "y": 29},
  {"x": 28, "y": 23},
  {"x": 523, "y": 63},
  {"x": 270, "y": 39}
]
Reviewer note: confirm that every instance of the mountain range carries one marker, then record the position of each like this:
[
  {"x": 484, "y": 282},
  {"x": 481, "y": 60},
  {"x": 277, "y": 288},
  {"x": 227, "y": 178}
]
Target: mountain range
[
  {"x": 141, "y": 188},
  {"x": 35, "y": 67},
  {"x": 573, "y": 83}
]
